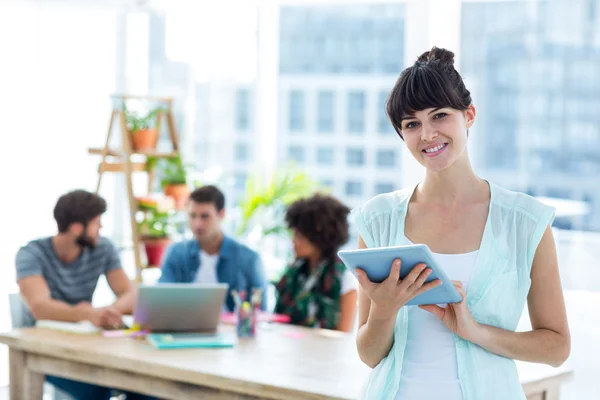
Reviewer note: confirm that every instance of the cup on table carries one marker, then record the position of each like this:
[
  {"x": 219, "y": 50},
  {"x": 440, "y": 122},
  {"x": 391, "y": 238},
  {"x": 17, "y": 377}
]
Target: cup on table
[{"x": 246, "y": 312}]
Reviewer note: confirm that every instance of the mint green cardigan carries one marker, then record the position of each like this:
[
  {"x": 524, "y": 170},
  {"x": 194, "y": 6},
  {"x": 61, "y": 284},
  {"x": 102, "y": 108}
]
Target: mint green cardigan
[{"x": 496, "y": 294}]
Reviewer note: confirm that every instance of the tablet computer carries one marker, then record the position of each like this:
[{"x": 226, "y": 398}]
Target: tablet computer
[{"x": 377, "y": 263}]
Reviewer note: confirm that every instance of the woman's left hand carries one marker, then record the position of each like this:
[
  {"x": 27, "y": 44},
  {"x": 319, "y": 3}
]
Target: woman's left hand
[{"x": 456, "y": 316}]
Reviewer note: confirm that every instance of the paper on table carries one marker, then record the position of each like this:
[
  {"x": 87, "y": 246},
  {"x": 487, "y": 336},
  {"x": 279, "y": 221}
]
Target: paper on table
[{"x": 82, "y": 327}]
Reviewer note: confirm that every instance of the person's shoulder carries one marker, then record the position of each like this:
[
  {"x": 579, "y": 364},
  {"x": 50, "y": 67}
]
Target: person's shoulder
[
  {"x": 241, "y": 249},
  {"x": 182, "y": 245},
  {"x": 36, "y": 247},
  {"x": 519, "y": 202},
  {"x": 177, "y": 250},
  {"x": 384, "y": 203},
  {"x": 105, "y": 244}
]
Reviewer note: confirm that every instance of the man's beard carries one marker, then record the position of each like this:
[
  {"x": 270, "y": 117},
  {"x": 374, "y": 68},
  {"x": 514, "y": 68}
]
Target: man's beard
[{"x": 84, "y": 241}]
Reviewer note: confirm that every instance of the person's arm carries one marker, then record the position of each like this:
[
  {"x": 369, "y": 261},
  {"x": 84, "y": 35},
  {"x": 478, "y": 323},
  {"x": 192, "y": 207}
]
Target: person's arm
[
  {"x": 257, "y": 279},
  {"x": 549, "y": 342},
  {"x": 169, "y": 266},
  {"x": 347, "y": 311},
  {"x": 118, "y": 281},
  {"x": 36, "y": 294},
  {"x": 378, "y": 305},
  {"x": 123, "y": 288}
]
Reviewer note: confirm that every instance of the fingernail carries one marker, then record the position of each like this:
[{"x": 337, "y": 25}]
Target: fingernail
[{"x": 397, "y": 263}]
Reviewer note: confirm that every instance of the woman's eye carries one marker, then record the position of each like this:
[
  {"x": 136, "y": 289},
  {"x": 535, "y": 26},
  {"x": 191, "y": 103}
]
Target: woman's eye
[
  {"x": 411, "y": 125},
  {"x": 440, "y": 115}
]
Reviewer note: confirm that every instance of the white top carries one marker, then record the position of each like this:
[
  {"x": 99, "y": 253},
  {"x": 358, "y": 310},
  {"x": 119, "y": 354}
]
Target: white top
[
  {"x": 349, "y": 283},
  {"x": 429, "y": 369},
  {"x": 207, "y": 273}
]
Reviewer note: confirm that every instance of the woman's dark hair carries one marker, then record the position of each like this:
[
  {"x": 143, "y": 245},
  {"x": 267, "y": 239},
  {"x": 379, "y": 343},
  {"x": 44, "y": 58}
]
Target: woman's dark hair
[
  {"x": 323, "y": 220},
  {"x": 431, "y": 82},
  {"x": 78, "y": 206}
]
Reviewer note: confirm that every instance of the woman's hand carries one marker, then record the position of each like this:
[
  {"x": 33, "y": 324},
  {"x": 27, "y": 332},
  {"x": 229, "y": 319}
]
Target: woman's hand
[
  {"x": 393, "y": 293},
  {"x": 456, "y": 316}
]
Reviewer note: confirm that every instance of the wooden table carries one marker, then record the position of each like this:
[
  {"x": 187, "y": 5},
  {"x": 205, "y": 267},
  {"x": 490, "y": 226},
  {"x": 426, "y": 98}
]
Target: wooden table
[{"x": 282, "y": 362}]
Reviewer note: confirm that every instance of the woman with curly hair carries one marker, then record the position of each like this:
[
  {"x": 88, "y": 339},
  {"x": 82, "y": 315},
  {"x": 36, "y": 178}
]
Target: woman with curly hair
[{"x": 317, "y": 290}]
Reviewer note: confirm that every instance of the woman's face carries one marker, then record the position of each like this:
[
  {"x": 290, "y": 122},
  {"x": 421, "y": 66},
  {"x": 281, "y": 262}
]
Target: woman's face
[
  {"x": 303, "y": 248},
  {"x": 437, "y": 137}
]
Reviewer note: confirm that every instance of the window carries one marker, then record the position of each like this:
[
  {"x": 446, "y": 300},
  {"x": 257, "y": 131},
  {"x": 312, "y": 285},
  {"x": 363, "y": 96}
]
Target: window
[
  {"x": 325, "y": 111},
  {"x": 356, "y": 112},
  {"x": 297, "y": 111},
  {"x": 296, "y": 153},
  {"x": 325, "y": 156},
  {"x": 241, "y": 152},
  {"x": 384, "y": 125},
  {"x": 242, "y": 110},
  {"x": 240, "y": 180},
  {"x": 558, "y": 85},
  {"x": 386, "y": 158},
  {"x": 384, "y": 188},
  {"x": 355, "y": 157},
  {"x": 354, "y": 188},
  {"x": 327, "y": 183}
]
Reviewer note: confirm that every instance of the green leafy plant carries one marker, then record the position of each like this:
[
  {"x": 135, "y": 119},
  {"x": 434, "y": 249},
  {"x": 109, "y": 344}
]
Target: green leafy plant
[
  {"x": 156, "y": 222},
  {"x": 136, "y": 122},
  {"x": 170, "y": 171},
  {"x": 265, "y": 201}
]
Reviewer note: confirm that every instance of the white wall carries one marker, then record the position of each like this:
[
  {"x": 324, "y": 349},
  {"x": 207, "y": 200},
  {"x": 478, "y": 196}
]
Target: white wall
[{"x": 56, "y": 75}]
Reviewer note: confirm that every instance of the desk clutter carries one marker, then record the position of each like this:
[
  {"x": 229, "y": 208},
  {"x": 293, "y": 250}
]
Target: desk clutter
[
  {"x": 246, "y": 318},
  {"x": 246, "y": 311},
  {"x": 191, "y": 340}
]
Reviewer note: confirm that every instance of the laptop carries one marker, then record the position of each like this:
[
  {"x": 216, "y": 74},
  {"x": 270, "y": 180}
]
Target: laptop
[{"x": 180, "y": 307}]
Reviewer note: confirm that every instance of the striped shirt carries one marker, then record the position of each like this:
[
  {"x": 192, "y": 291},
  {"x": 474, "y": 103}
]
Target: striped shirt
[{"x": 69, "y": 282}]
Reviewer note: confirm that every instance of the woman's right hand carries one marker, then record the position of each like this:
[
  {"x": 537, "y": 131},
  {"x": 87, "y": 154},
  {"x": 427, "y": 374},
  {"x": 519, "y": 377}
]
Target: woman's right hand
[{"x": 393, "y": 293}]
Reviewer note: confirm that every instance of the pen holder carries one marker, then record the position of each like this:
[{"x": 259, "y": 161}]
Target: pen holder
[{"x": 246, "y": 320}]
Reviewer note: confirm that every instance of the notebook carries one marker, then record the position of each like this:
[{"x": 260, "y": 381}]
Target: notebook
[
  {"x": 82, "y": 327},
  {"x": 191, "y": 340}
]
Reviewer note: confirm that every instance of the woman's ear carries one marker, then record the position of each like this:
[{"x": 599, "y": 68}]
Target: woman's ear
[{"x": 470, "y": 114}]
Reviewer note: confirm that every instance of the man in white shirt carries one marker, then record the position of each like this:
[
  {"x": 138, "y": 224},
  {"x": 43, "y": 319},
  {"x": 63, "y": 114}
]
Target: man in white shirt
[{"x": 211, "y": 256}]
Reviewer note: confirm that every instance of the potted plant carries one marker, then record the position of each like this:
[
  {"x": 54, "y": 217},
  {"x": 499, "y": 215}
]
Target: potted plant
[
  {"x": 155, "y": 227},
  {"x": 173, "y": 179},
  {"x": 143, "y": 129},
  {"x": 265, "y": 201},
  {"x": 262, "y": 219}
]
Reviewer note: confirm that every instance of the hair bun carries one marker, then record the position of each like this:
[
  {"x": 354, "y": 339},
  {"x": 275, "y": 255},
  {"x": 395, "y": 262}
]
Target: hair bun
[{"x": 443, "y": 56}]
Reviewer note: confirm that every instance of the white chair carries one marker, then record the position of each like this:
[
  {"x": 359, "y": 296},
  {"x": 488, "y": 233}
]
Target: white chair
[{"x": 20, "y": 318}]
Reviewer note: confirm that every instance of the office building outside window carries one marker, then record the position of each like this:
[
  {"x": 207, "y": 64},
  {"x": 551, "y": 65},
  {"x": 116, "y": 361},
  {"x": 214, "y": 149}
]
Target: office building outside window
[
  {"x": 325, "y": 111},
  {"x": 354, "y": 188},
  {"x": 242, "y": 110},
  {"x": 296, "y": 154},
  {"x": 297, "y": 111},
  {"x": 356, "y": 108},
  {"x": 325, "y": 156},
  {"x": 355, "y": 157}
]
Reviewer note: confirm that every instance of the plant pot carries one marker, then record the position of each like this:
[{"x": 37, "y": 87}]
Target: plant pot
[
  {"x": 155, "y": 249},
  {"x": 144, "y": 139},
  {"x": 178, "y": 191}
]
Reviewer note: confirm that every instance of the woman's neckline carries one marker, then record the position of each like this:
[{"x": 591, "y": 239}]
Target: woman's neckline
[{"x": 470, "y": 253}]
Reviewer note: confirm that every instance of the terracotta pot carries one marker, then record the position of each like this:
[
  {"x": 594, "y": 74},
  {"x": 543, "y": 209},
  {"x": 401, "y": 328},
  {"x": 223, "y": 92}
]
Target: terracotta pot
[
  {"x": 144, "y": 139},
  {"x": 180, "y": 192},
  {"x": 155, "y": 249}
]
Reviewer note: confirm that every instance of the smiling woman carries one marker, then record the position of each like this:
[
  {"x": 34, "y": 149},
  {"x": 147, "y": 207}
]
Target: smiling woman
[{"x": 495, "y": 244}]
